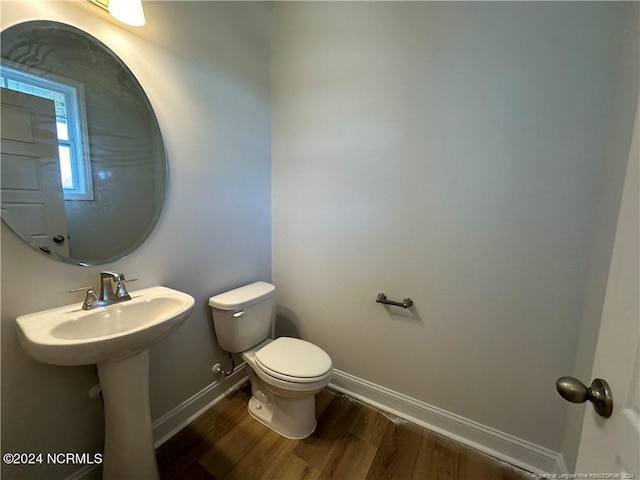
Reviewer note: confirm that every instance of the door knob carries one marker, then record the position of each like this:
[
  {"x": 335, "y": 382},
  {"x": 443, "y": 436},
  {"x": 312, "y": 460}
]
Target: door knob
[
  {"x": 598, "y": 393},
  {"x": 58, "y": 239}
]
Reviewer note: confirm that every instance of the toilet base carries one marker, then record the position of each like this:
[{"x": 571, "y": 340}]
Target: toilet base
[{"x": 293, "y": 418}]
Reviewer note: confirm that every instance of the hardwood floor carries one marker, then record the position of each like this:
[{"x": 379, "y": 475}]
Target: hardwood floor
[{"x": 352, "y": 441}]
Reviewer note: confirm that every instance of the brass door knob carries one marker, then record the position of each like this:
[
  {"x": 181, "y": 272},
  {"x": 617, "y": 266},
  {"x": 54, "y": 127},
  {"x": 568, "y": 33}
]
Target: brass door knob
[{"x": 599, "y": 393}]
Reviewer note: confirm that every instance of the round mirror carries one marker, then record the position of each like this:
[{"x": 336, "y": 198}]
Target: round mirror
[{"x": 83, "y": 163}]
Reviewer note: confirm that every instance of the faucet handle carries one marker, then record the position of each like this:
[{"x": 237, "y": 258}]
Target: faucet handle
[
  {"x": 90, "y": 298},
  {"x": 121, "y": 288},
  {"x": 81, "y": 289}
]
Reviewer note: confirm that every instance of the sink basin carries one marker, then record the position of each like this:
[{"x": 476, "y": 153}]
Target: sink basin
[{"x": 72, "y": 336}]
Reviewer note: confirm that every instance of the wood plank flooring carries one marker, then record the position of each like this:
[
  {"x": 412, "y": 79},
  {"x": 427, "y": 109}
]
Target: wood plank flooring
[{"x": 352, "y": 441}]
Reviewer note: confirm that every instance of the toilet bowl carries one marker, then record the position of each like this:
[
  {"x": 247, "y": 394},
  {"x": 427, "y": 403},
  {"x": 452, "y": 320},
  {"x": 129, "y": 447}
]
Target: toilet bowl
[
  {"x": 283, "y": 393},
  {"x": 285, "y": 373}
]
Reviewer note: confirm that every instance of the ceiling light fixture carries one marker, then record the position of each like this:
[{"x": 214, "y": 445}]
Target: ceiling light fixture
[{"x": 126, "y": 11}]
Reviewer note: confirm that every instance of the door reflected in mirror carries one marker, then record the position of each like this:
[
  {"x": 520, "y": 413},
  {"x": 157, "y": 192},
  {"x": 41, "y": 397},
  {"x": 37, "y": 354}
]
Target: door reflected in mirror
[{"x": 83, "y": 161}]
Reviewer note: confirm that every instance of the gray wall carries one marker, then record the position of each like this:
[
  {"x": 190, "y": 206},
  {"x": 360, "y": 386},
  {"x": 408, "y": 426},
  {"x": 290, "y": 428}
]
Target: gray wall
[
  {"x": 454, "y": 153},
  {"x": 205, "y": 68}
]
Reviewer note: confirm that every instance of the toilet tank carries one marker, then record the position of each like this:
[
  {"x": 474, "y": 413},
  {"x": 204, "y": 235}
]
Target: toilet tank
[{"x": 242, "y": 317}]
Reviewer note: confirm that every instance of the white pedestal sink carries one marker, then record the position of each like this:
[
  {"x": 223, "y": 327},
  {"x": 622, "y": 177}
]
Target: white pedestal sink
[{"x": 116, "y": 338}]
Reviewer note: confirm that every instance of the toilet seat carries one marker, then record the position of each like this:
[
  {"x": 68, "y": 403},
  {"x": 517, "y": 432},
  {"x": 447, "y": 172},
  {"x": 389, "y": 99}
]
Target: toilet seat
[{"x": 294, "y": 360}]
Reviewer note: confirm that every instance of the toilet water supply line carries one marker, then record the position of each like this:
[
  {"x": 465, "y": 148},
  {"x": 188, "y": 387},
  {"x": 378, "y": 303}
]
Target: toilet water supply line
[
  {"x": 218, "y": 370},
  {"x": 95, "y": 392}
]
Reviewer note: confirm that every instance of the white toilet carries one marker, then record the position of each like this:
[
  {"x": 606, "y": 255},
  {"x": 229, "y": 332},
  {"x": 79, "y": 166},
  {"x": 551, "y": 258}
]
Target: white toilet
[{"x": 285, "y": 373}]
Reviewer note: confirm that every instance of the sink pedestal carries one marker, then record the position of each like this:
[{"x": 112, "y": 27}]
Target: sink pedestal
[{"x": 128, "y": 444}]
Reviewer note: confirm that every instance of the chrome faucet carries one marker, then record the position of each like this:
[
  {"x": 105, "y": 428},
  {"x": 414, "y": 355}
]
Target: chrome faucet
[
  {"x": 106, "y": 288},
  {"x": 108, "y": 295}
]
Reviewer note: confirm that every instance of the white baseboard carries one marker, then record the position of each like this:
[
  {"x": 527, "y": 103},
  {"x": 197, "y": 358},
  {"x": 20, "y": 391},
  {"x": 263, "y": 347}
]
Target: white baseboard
[
  {"x": 182, "y": 415},
  {"x": 516, "y": 451}
]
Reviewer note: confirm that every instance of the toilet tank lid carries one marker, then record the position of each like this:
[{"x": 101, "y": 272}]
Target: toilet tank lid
[{"x": 242, "y": 297}]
